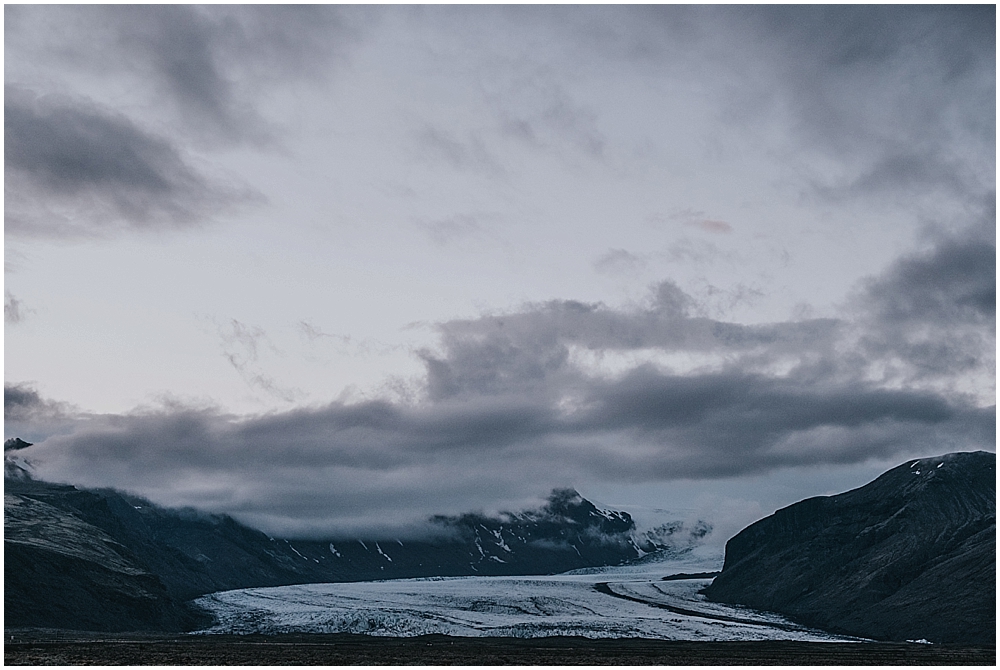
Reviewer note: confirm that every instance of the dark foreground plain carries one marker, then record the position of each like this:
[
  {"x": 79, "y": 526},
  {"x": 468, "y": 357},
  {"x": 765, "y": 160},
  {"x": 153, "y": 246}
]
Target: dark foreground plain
[{"x": 34, "y": 648}]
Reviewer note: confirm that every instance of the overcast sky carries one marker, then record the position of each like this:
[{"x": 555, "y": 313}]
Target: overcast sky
[{"x": 340, "y": 268}]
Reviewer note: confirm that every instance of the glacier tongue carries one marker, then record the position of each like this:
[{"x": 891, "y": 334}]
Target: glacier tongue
[{"x": 623, "y": 601}]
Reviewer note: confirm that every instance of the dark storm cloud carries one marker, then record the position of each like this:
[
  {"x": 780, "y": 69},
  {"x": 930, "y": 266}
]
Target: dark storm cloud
[
  {"x": 334, "y": 468},
  {"x": 68, "y": 148},
  {"x": 952, "y": 283},
  {"x": 210, "y": 63},
  {"x": 181, "y": 45},
  {"x": 901, "y": 97},
  {"x": 512, "y": 352},
  {"x": 732, "y": 423},
  {"x": 75, "y": 167},
  {"x": 22, "y": 403},
  {"x": 106, "y": 171},
  {"x": 928, "y": 316},
  {"x": 862, "y": 36},
  {"x": 20, "y": 400},
  {"x": 935, "y": 311},
  {"x": 203, "y": 57},
  {"x": 904, "y": 170},
  {"x": 647, "y": 400},
  {"x": 315, "y": 470},
  {"x": 844, "y": 69}
]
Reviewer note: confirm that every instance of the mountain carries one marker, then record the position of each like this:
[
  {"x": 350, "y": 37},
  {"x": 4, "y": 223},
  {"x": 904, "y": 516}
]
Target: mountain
[
  {"x": 106, "y": 560},
  {"x": 14, "y": 465},
  {"x": 60, "y": 571},
  {"x": 15, "y": 444},
  {"x": 909, "y": 556}
]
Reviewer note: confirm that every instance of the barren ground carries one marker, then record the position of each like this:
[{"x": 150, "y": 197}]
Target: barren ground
[{"x": 41, "y": 648}]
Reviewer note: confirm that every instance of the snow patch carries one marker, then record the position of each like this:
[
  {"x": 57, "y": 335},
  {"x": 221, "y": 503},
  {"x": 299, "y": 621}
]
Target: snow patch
[{"x": 295, "y": 550}]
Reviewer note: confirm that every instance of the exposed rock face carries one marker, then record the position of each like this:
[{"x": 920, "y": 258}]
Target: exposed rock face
[
  {"x": 14, "y": 466},
  {"x": 61, "y": 570},
  {"x": 14, "y": 444},
  {"x": 104, "y": 560},
  {"x": 911, "y": 555}
]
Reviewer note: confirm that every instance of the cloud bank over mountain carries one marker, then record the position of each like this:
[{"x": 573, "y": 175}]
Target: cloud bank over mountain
[{"x": 515, "y": 402}]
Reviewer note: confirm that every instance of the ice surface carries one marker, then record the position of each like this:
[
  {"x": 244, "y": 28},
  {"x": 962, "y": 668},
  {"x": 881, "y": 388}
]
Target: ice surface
[{"x": 640, "y": 604}]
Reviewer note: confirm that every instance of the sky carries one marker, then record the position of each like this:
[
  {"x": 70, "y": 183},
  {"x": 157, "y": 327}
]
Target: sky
[{"x": 334, "y": 269}]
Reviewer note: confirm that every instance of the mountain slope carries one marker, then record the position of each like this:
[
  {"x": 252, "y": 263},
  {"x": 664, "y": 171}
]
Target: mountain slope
[
  {"x": 58, "y": 568},
  {"x": 911, "y": 555},
  {"x": 167, "y": 556}
]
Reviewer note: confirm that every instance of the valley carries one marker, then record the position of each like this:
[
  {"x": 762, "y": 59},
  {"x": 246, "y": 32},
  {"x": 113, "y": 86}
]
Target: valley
[
  {"x": 632, "y": 601},
  {"x": 99, "y": 576}
]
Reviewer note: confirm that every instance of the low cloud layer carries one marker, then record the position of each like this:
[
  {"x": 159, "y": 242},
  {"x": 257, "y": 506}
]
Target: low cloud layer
[{"x": 517, "y": 403}]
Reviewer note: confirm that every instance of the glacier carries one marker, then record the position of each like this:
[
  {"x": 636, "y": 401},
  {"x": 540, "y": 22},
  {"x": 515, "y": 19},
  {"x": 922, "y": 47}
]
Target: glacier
[{"x": 612, "y": 602}]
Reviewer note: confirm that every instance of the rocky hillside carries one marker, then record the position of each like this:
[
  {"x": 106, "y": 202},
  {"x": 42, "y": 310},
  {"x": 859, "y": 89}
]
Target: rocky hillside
[
  {"x": 60, "y": 571},
  {"x": 909, "y": 556},
  {"x": 105, "y": 560}
]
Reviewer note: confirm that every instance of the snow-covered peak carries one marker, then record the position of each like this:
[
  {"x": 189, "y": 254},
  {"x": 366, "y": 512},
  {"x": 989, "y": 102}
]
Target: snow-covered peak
[{"x": 14, "y": 444}]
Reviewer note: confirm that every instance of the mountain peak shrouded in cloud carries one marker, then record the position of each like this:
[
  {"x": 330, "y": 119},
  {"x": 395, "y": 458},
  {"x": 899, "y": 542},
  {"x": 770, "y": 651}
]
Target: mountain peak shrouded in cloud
[
  {"x": 15, "y": 467},
  {"x": 482, "y": 252},
  {"x": 15, "y": 443},
  {"x": 62, "y": 542}
]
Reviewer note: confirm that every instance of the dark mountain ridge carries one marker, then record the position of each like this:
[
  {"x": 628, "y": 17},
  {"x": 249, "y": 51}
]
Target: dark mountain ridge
[
  {"x": 909, "y": 556},
  {"x": 106, "y": 560}
]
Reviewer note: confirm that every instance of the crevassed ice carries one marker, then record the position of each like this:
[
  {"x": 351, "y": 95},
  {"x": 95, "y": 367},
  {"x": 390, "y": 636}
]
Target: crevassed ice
[{"x": 528, "y": 606}]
